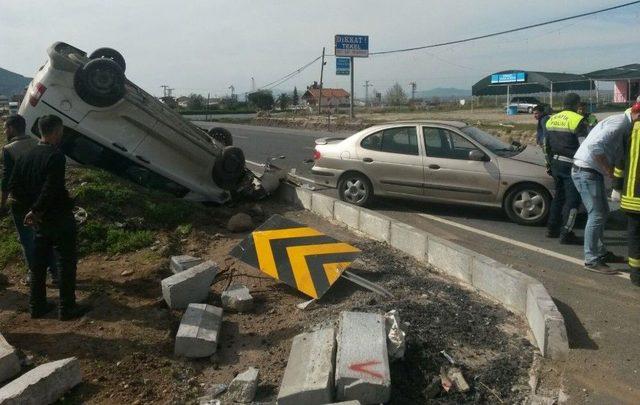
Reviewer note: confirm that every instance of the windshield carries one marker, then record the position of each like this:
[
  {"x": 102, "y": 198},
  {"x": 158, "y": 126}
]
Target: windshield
[{"x": 490, "y": 142}]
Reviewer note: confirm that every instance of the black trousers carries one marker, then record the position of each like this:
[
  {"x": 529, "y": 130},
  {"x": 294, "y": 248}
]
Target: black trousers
[
  {"x": 564, "y": 207},
  {"x": 60, "y": 235},
  {"x": 633, "y": 239}
]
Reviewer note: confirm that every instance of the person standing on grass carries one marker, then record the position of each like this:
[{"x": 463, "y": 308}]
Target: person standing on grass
[
  {"x": 38, "y": 187},
  {"x": 19, "y": 144},
  {"x": 595, "y": 160}
]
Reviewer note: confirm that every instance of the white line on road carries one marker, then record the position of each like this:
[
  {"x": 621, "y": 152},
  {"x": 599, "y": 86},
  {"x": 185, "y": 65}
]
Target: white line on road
[
  {"x": 240, "y": 136},
  {"x": 527, "y": 246}
]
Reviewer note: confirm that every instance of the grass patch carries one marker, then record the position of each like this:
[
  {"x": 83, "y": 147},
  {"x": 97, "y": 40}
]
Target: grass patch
[
  {"x": 96, "y": 237},
  {"x": 10, "y": 248}
]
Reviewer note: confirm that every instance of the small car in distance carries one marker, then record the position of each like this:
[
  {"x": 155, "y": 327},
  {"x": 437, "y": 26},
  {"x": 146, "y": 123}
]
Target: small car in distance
[
  {"x": 439, "y": 161},
  {"x": 524, "y": 104},
  {"x": 111, "y": 123}
]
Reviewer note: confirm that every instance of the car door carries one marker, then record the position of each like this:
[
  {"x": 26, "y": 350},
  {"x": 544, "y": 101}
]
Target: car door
[
  {"x": 392, "y": 159},
  {"x": 450, "y": 174}
]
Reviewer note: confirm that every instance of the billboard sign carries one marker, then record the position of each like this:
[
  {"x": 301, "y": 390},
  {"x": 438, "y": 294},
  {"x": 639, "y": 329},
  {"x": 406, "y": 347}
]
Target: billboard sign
[
  {"x": 352, "y": 45},
  {"x": 343, "y": 66},
  {"x": 502, "y": 78}
]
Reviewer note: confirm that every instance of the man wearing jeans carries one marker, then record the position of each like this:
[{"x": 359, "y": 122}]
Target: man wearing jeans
[{"x": 594, "y": 160}]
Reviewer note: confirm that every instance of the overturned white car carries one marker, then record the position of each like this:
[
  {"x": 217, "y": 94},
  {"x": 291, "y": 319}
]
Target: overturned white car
[{"x": 111, "y": 123}]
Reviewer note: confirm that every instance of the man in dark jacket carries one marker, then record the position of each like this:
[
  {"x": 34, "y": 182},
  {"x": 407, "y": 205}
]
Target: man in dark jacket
[
  {"x": 38, "y": 187},
  {"x": 541, "y": 114}
]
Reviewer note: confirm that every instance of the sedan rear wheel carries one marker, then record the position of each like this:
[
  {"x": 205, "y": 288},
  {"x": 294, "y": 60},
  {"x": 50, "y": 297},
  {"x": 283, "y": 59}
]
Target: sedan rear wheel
[
  {"x": 355, "y": 188},
  {"x": 528, "y": 205}
]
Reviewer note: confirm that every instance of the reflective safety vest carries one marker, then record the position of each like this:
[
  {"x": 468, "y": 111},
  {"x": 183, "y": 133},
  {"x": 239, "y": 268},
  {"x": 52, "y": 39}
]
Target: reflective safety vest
[
  {"x": 564, "y": 130},
  {"x": 627, "y": 172}
]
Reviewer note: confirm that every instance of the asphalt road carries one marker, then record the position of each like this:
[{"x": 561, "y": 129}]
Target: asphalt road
[{"x": 602, "y": 312}]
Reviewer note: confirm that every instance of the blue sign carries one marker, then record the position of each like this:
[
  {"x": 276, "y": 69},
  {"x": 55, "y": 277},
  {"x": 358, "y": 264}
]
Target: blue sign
[
  {"x": 343, "y": 66},
  {"x": 518, "y": 77},
  {"x": 352, "y": 45}
]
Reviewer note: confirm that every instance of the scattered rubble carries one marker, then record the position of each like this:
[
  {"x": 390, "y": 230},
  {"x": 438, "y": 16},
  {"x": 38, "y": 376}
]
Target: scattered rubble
[
  {"x": 237, "y": 298},
  {"x": 189, "y": 286},
  {"x": 9, "y": 362},
  {"x": 452, "y": 378},
  {"x": 395, "y": 335},
  {"x": 44, "y": 384},
  {"x": 199, "y": 330},
  {"x": 306, "y": 304},
  {"x": 243, "y": 388},
  {"x": 181, "y": 263},
  {"x": 240, "y": 222},
  {"x": 362, "y": 363},
  {"x": 308, "y": 378}
]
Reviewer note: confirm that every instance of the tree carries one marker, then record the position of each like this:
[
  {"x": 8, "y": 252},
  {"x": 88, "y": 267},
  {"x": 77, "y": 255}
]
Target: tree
[
  {"x": 395, "y": 95},
  {"x": 284, "y": 101},
  {"x": 296, "y": 98},
  {"x": 195, "y": 102},
  {"x": 263, "y": 99}
]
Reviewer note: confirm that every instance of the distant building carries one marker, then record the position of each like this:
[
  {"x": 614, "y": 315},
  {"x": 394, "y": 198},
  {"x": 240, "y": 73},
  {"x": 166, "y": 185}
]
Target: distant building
[
  {"x": 330, "y": 97},
  {"x": 182, "y": 101}
]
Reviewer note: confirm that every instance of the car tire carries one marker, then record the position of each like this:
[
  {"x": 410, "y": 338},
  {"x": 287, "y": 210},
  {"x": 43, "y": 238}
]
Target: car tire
[
  {"x": 221, "y": 135},
  {"x": 229, "y": 168},
  {"x": 530, "y": 110},
  {"x": 355, "y": 188},
  {"x": 528, "y": 204},
  {"x": 109, "y": 53},
  {"x": 100, "y": 82}
]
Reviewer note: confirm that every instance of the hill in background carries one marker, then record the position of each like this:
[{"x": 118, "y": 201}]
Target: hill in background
[{"x": 12, "y": 83}]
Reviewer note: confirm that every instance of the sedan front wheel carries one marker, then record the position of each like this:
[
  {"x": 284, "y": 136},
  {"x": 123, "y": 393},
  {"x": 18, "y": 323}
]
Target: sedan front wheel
[
  {"x": 355, "y": 188},
  {"x": 528, "y": 204}
]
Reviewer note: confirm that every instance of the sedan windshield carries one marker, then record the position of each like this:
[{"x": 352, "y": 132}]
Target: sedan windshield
[{"x": 490, "y": 142}]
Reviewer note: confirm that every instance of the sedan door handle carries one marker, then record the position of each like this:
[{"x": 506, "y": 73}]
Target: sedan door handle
[
  {"x": 367, "y": 160},
  {"x": 434, "y": 167}
]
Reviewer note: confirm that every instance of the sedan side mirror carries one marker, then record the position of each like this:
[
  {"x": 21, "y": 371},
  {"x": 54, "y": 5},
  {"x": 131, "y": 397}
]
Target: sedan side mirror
[{"x": 478, "y": 156}]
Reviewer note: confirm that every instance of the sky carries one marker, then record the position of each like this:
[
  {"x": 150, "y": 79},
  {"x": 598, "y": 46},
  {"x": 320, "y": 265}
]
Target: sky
[{"x": 206, "y": 46}]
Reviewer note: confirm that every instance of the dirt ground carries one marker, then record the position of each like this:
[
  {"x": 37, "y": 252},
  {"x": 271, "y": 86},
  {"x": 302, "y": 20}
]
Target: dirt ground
[{"x": 125, "y": 343}]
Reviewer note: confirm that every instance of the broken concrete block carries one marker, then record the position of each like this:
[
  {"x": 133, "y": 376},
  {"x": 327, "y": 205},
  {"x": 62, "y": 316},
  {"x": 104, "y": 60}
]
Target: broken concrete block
[
  {"x": 362, "y": 363},
  {"x": 452, "y": 378},
  {"x": 199, "y": 330},
  {"x": 395, "y": 335},
  {"x": 9, "y": 361},
  {"x": 189, "y": 286},
  {"x": 237, "y": 298},
  {"x": 44, "y": 384},
  {"x": 240, "y": 222},
  {"x": 243, "y": 388},
  {"x": 308, "y": 378},
  {"x": 182, "y": 263}
]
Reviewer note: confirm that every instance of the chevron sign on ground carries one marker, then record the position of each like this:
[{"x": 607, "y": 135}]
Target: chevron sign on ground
[{"x": 301, "y": 257}]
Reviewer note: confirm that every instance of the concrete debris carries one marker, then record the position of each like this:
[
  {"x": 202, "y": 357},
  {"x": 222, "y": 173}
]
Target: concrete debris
[
  {"x": 542, "y": 400},
  {"x": 306, "y": 304},
  {"x": 240, "y": 222},
  {"x": 308, "y": 378},
  {"x": 243, "y": 388},
  {"x": 395, "y": 335},
  {"x": 182, "y": 263},
  {"x": 216, "y": 390},
  {"x": 206, "y": 400},
  {"x": 9, "y": 361},
  {"x": 127, "y": 272},
  {"x": 189, "y": 286},
  {"x": 44, "y": 384},
  {"x": 452, "y": 378},
  {"x": 237, "y": 298},
  {"x": 199, "y": 331},
  {"x": 449, "y": 358},
  {"x": 362, "y": 362}
]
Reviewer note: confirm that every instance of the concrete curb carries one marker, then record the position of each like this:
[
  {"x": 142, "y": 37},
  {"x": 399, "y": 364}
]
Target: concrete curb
[{"x": 518, "y": 292}]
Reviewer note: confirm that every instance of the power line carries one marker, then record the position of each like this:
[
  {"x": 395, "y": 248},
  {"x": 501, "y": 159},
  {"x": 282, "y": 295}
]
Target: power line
[
  {"x": 494, "y": 34},
  {"x": 288, "y": 76}
]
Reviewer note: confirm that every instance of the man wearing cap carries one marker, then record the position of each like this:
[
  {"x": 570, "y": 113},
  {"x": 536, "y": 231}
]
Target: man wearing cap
[
  {"x": 627, "y": 184},
  {"x": 595, "y": 160},
  {"x": 564, "y": 133}
]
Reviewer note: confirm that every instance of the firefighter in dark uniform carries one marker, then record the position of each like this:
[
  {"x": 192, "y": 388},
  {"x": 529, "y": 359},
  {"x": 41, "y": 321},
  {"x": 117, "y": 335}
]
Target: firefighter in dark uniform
[
  {"x": 627, "y": 183},
  {"x": 564, "y": 133}
]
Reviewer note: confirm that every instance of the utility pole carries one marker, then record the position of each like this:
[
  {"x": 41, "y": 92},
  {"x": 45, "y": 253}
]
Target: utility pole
[
  {"x": 164, "y": 90},
  {"x": 206, "y": 108},
  {"x": 366, "y": 86},
  {"x": 170, "y": 92},
  {"x": 413, "y": 90},
  {"x": 253, "y": 84},
  {"x": 351, "y": 113},
  {"x": 321, "y": 75}
]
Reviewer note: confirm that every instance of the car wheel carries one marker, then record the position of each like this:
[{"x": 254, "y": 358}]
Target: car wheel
[
  {"x": 229, "y": 168},
  {"x": 221, "y": 135},
  {"x": 109, "y": 53},
  {"x": 355, "y": 188},
  {"x": 100, "y": 82},
  {"x": 530, "y": 110},
  {"x": 527, "y": 204}
]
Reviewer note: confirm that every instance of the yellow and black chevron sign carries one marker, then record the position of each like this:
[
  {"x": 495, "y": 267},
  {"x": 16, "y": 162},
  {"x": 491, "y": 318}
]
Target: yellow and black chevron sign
[{"x": 299, "y": 256}]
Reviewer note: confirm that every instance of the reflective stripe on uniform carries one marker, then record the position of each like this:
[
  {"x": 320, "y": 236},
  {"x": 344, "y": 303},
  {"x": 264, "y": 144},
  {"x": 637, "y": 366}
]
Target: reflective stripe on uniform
[
  {"x": 633, "y": 162},
  {"x": 619, "y": 173},
  {"x": 564, "y": 121},
  {"x": 634, "y": 262}
]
